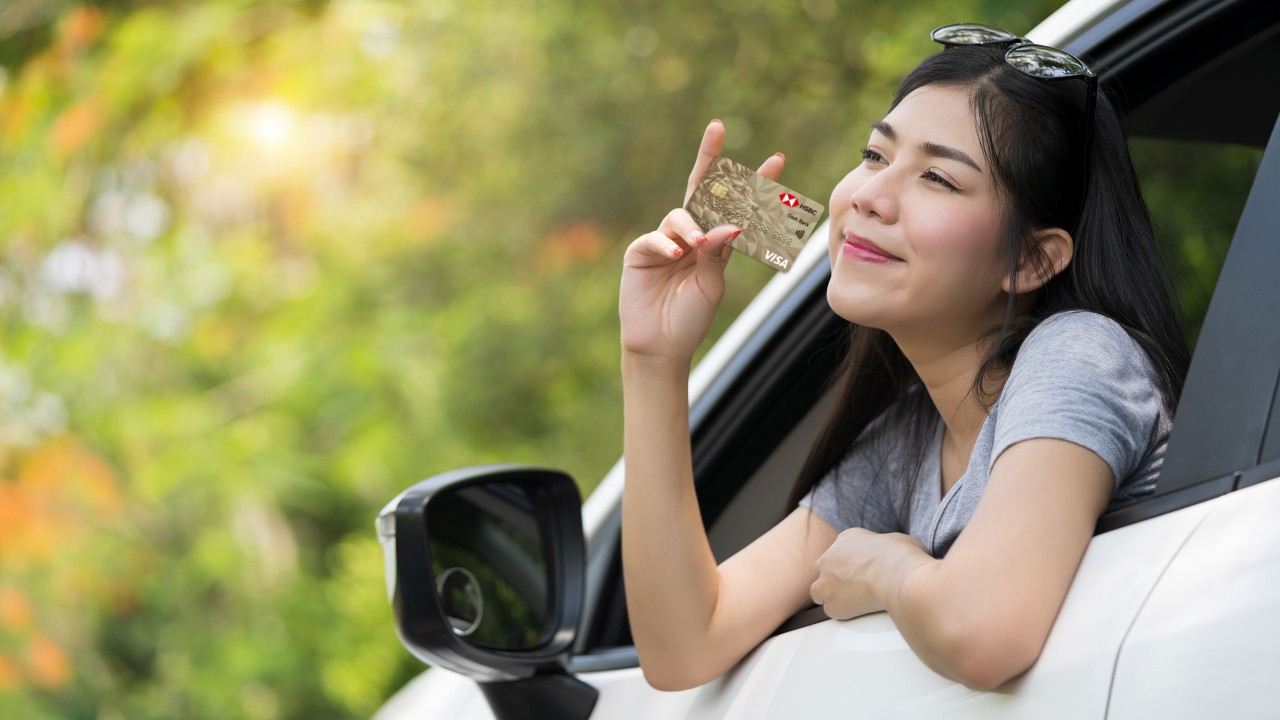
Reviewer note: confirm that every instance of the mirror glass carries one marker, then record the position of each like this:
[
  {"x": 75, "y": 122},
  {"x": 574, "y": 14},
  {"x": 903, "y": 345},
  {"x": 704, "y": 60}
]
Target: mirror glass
[{"x": 487, "y": 560}]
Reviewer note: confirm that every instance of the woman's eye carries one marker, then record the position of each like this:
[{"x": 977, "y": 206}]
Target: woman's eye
[
  {"x": 932, "y": 176},
  {"x": 869, "y": 155}
]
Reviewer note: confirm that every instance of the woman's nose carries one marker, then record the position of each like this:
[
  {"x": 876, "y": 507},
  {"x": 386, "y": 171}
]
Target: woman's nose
[{"x": 877, "y": 196}]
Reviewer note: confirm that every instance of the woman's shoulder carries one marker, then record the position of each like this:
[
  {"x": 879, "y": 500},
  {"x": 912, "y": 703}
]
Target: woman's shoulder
[
  {"x": 1068, "y": 326},
  {"x": 1083, "y": 339},
  {"x": 1081, "y": 376},
  {"x": 1081, "y": 348}
]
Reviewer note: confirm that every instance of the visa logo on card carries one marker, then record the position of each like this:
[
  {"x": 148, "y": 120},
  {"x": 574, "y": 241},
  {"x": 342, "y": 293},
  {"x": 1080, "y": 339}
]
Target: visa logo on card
[{"x": 775, "y": 219}]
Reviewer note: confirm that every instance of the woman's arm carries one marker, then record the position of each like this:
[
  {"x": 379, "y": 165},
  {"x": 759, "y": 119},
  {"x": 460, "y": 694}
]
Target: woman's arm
[
  {"x": 690, "y": 620},
  {"x": 982, "y": 614}
]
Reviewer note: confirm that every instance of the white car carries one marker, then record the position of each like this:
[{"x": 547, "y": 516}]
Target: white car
[{"x": 1175, "y": 609}]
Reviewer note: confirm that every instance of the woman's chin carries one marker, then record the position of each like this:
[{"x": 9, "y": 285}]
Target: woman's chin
[{"x": 857, "y": 308}]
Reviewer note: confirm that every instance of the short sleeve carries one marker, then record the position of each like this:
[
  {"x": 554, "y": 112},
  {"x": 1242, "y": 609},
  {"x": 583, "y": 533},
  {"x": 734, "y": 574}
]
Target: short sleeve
[
  {"x": 821, "y": 499},
  {"x": 856, "y": 492},
  {"x": 1079, "y": 376},
  {"x": 849, "y": 496}
]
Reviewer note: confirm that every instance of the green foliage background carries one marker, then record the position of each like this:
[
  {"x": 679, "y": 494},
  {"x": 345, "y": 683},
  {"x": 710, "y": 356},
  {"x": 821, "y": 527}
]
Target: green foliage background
[{"x": 266, "y": 264}]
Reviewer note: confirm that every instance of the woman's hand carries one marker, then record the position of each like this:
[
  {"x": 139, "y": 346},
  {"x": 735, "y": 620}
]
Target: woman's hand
[
  {"x": 861, "y": 567},
  {"x": 673, "y": 277}
]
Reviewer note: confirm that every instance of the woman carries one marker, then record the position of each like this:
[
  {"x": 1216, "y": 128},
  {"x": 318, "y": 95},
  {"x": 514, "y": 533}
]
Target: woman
[{"x": 1016, "y": 357}]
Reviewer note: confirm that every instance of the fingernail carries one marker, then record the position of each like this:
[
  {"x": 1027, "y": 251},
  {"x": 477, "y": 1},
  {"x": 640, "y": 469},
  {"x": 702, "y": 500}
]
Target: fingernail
[
  {"x": 735, "y": 233},
  {"x": 699, "y": 239},
  {"x": 716, "y": 120},
  {"x": 678, "y": 252},
  {"x": 784, "y": 157}
]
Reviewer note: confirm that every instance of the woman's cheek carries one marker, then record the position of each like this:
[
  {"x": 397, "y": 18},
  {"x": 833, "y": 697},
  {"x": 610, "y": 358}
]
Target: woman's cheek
[
  {"x": 957, "y": 234},
  {"x": 838, "y": 209},
  {"x": 962, "y": 250}
]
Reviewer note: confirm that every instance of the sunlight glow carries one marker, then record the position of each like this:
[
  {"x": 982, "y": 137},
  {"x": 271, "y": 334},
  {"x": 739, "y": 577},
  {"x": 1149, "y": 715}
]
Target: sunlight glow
[{"x": 270, "y": 123}]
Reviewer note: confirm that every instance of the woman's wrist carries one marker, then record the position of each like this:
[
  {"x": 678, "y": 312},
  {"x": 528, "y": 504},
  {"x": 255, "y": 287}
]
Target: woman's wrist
[
  {"x": 894, "y": 569},
  {"x": 642, "y": 366}
]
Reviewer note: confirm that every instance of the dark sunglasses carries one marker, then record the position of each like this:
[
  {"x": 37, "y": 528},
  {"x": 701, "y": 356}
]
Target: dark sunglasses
[{"x": 1038, "y": 61}]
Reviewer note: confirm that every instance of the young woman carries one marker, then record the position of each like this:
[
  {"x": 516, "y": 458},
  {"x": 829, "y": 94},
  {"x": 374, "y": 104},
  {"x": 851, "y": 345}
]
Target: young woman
[{"x": 1016, "y": 357}]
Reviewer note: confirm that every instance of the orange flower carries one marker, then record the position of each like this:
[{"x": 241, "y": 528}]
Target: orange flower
[
  {"x": 50, "y": 668},
  {"x": 427, "y": 217},
  {"x": 576, "y": 243},
  {"x": 72, "y": 470},
  {"x": 79, "y": 28},
  {"x": 15, "y": 609},
  {"x": 10, "y": 674},
  {"x": 75, "y": 126}
]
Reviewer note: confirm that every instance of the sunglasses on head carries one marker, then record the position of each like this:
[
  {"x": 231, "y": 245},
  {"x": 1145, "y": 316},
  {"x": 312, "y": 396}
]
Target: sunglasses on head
[{"x": 1038, "y": 61}]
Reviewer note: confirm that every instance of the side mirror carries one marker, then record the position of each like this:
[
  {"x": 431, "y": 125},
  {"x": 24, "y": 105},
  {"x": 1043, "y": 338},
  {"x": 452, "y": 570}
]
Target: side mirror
[{"x": 484, "y": 571}]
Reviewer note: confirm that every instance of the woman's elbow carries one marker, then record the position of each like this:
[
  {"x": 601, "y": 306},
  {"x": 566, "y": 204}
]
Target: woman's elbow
[
  {"x": 982, "y": 673},
  {"x": 668, "y": 681},
  {"x": 665, "y": 680},
  {"x": 674, "y": 676},
  {"x": 985, "y": 660}
]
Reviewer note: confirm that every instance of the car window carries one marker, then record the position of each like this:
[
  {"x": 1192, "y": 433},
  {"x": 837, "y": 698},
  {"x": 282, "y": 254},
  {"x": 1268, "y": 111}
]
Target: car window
[
  {"x": 1188, "y": 74},
  {"x": 1195, "y": 192}
]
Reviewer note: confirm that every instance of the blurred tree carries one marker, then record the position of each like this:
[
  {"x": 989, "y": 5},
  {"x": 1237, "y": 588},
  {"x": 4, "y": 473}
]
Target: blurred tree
[{"x": 266, "y": 264}]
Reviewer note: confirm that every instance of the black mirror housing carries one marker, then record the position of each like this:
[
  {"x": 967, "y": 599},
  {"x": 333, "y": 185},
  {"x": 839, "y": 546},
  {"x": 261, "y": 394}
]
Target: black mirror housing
[{"x": 485, "y": 570}]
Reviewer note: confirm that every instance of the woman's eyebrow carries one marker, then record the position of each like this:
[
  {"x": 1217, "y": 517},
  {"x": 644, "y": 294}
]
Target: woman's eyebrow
[
  {"x": 945, "y": 151},
  {"x": 931, "y": 149}
]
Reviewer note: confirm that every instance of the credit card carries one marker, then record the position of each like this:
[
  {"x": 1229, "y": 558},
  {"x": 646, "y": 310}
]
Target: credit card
[{"x": 775, "y": 219}]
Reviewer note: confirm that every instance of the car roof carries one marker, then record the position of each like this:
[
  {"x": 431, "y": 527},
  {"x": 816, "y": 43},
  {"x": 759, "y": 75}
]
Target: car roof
[{"x": 1070, "y": 20}]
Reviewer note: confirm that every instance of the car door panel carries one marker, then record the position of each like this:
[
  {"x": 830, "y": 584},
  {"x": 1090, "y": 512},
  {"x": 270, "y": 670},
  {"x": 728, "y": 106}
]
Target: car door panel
[
  {"x": 1207, "y": 641},
  {"x": 437, "y": 693},
  {"x": 866, "y": 665}
]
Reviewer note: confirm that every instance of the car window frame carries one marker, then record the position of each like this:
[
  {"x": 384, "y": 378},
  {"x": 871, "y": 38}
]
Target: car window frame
[{"x": 1220, "y": 425}]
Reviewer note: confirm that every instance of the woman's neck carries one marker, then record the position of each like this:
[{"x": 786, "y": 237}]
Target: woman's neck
[{"x": 946, "y": 366}]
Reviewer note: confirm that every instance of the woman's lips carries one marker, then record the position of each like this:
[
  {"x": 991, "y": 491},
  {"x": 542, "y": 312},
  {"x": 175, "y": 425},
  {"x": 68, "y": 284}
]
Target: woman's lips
[{"x": 855, "y": 248}]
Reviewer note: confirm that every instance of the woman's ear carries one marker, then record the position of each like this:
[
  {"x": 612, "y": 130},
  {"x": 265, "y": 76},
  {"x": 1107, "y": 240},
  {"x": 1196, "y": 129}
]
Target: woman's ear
[{"x": 1039, "y": 267}]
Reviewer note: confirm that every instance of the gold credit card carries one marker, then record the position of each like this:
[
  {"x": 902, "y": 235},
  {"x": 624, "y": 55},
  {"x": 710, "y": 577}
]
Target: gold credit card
[{"x": 775, "y": 219}]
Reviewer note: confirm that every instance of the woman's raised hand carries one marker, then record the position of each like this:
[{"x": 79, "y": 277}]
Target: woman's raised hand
[{"x": 673, "y": 277}]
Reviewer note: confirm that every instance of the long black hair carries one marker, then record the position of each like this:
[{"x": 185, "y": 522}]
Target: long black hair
[{"x": 1032, "y": 134}]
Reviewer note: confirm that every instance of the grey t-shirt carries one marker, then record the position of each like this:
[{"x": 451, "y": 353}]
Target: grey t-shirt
[{"x": 1078, "y": 376}]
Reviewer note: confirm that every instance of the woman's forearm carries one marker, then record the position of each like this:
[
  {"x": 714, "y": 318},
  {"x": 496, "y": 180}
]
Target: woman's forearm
[
  {"x": 952, "y": 623},
  {"x": 909, "y": 590},
  {"x": 670, "y": 572}
]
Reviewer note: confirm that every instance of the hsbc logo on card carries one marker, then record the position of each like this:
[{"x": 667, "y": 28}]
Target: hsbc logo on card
[{"x": 792, "y": 201}]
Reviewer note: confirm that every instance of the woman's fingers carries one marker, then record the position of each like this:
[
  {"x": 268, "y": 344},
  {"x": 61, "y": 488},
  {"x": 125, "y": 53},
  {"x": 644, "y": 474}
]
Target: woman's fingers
[
  {"x": 817, "y": 591},
  {"x": 654, "y": 248},
  {"x": 772, "y": 168},
  {"x": 717, "y": 245},
  {"x": 712, "y": 258},
  {"x": 712, "y": 142},
  {"x": 679, "y": 235},
  {"x": 680, "y": 225}
]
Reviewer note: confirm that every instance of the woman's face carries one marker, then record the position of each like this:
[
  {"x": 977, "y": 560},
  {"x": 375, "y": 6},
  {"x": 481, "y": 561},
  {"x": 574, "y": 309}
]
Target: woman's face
[{"x": 923, "y": 193}]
